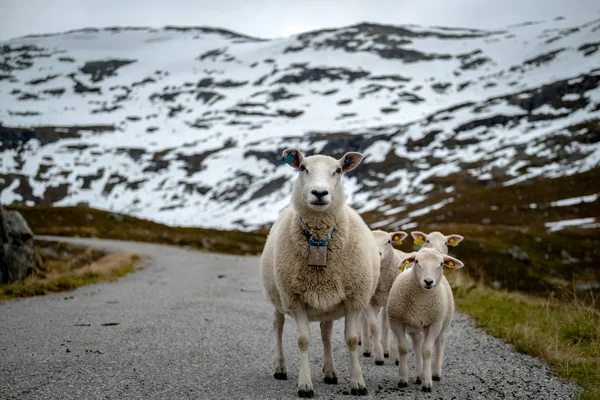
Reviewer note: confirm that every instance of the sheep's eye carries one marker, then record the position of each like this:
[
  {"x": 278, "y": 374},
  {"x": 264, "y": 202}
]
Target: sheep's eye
[
  {"x": 389, "y": 242},
  {"x": 441, "y": 264},
  {"x": 338, "y": 171},
  {"x": 427, "y": 240},
  {"x": 302, "y": 167},
  {"x": 416, "y": 261}
]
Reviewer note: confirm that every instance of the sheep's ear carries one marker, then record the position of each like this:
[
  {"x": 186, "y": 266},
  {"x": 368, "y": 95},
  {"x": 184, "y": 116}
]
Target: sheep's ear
[
  {"x": 293, "y": 157},
  {"x": 350, "y": 161},
  {"x": 419, "y": 237},
  {"x": 454, "y": 240},
  {"x": 399, "y": 236},
  {"x": 407, "y": 260},
  {"x": 452, "y": 262}
]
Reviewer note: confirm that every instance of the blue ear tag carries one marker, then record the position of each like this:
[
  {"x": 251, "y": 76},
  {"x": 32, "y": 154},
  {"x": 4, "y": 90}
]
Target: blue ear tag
[
  {"x": 289, "y": 158},
  {"x": 348, "y": 160}
]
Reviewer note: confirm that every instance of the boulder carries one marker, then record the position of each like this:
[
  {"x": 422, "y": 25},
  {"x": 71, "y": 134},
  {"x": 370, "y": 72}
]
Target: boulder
[{"x": 18, "y": 257}]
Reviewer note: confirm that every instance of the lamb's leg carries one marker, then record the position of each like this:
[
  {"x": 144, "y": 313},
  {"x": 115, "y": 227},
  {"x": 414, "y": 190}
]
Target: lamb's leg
[
  {"x": 329, "y": 365},
  {"x": 417, "y": 342},
  {"x": 385, "y": 332},
  {"x": 440, "y": 346},
  {"x": 394, "y": 349},
  {"x": 371, "y": 313},
  {"x": 280, "y": 369},
  {"x": 431, "y": 334},
  {"x": 365, "y": 337},
  {"x": 400, "y": 333},
  {"x": 357, "y": 382},
  {"x": 305, "y": 386}
]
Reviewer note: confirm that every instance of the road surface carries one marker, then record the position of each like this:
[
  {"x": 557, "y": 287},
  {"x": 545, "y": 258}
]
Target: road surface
[{"x": 192, "y": 325}]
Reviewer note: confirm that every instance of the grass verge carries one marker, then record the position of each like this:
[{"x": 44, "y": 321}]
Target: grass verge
[
  {"x": 566, "y": 335},
  {"x": 67, "y": 267}
]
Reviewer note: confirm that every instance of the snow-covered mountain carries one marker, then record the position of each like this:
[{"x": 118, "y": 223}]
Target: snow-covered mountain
[{"x": 186, "y": 125}]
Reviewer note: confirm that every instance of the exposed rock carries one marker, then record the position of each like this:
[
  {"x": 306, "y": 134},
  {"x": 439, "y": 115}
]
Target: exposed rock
[{"x": 18, "y": 258}]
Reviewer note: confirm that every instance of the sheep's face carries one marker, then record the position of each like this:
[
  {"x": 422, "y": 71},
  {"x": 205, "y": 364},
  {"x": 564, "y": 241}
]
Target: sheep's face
[
  {"x": 385, "y": 242},
  {"x": 428, "y": 266},
  {"x": 319, "y": 178},
  {"x": 436, "y": 240}
]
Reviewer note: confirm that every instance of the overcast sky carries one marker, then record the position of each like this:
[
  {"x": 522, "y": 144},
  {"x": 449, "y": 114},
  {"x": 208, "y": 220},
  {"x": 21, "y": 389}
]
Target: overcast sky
[{"x": 275, "y": 18}]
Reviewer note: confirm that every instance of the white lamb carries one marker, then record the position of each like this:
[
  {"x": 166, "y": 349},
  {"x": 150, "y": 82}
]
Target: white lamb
[
  {"x": 436, "y": 240},
  {"x": 390, "y": 261},
  {"x": 421, "y": 304},
  {"x": 339, "y": 287}
]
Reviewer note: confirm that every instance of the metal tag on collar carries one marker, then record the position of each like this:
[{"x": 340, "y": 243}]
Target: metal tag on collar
[{"x": 317, "y": 256}]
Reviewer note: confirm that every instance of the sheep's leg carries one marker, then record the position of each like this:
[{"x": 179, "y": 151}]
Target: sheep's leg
[
  {"x": 329, "y": 365},
  {"x": 431, "y": 334},
  {"x": 385, "y": 332},
  {"x": 280, "y": 369},
  {"x": 394, "y": 350},
  {"x": 417, "y": 342},
  {"x": 440, "y": 346},
  {"x": 371, "y": 314},
  {"x": 305, "y": 386},
  {"x": 357, "y": 382},
  {"x": 366, "y": 338},
  {"x": 400, "y": 332}
]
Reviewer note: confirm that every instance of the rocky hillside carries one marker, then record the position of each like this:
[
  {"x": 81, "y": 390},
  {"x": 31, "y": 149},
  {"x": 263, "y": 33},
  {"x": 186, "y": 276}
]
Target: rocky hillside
[{"x": 185, "y": 125}]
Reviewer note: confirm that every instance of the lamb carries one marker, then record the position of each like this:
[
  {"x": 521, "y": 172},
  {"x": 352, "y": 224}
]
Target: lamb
[
  {"x": 436, "y": 240},
  {"x": 421, "y": 304},
  {"x": 390, "y": 260},
  {"x": 319, "y": 263}
]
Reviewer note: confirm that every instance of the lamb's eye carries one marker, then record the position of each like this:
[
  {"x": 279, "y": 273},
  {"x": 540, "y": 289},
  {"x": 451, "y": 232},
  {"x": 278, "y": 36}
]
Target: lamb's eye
[
  {"x": 338, "y": 171},
  {"x": 441, "y": 264},
  {"x": 416, "y": 261},
  {"x": 389, "y": 242},
  {"x": 427, "y": 240},
  {"x": 302, "y": 167}
]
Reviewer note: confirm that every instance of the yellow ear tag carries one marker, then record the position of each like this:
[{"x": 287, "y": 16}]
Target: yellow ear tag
[
  {"x": 419, "y": 241},
  {"x": 452, "y": 243},
  {"x": 403, "y": 266},
  {"x": 397, "y": 239},
  {"x": 450, "y": 263}
]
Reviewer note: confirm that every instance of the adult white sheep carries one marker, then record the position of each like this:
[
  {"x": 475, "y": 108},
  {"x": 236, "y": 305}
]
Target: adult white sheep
[
  {"x": 320, "y": 263},
  {"x": 390, "y": 261},
  {"x": 421, "y": 304}
]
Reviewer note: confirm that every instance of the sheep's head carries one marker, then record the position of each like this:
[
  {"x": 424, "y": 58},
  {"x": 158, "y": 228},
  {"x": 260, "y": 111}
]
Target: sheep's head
[
  {"x": 427, "y": 266},
  {"x": 319, "y": 178},
  {"x": 436, "y": 240},
  {"x": 385, "y": 242}
]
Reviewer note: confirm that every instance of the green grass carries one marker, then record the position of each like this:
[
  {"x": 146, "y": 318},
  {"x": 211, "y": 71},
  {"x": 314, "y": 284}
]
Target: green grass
[{"x": 566, "y": 335}]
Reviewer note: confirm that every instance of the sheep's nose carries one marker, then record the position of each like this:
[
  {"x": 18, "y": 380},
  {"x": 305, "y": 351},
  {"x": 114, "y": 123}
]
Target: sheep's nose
[
  {"x": 320, "y": 193},
  {"x": 428, "y": 282}
]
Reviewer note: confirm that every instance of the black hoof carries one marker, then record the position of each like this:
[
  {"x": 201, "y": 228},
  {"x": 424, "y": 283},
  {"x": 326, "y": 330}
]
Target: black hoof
[
  {"x": 306, "y": 394},
  {"x": 386, "y": 355},
  {"x": 359, "y": 342},
  {"x": 331, "y": 381},
  {"x": 402, "y": 385},
  {"x": 366, "y": 354},
  {"x": 426, "y": 389},
  {"x": 397, "y": 362},
  {"x": 281, "y": 376},
  {"x": 378, "y": 362},
  {"x": 418, "y": 381},
  {"x": 436, "y": 377},
  {"x": 359, "y": 392}
]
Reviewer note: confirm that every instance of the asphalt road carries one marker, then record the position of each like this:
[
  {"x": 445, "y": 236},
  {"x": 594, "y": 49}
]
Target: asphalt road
[{"x": 192, "y": 325}]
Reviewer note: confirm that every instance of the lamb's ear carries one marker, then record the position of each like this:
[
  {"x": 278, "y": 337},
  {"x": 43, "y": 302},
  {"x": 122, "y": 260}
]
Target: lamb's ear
[
  {"x": 407, "y": 260},
  {"x": 419, "y": 237},
  {"x": 399, "y": 236},
  {"x": 454, "y": 240},
  {"x": 350, "y": 161},
  {"x": 293, "y": 157},
  {"x": 452, "y": 262}
]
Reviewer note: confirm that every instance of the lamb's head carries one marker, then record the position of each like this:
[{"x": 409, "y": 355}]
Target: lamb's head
[
  {"x": 385, "y": 242},
  {"x": 436, "y": 240},
  {"x": 318, "y": 185},
  {"x": 428, "y": 265}
]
